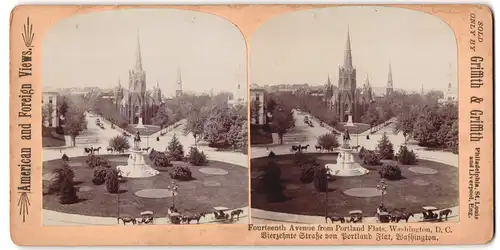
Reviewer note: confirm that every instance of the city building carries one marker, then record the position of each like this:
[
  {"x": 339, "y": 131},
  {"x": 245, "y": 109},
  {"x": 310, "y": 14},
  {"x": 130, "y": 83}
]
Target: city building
[
  {"x": 50, "y": 99},
  {"x": 258, "y": 94},
  {"x": 239, "y": 97},
  {"x": 450, "y": 96}
]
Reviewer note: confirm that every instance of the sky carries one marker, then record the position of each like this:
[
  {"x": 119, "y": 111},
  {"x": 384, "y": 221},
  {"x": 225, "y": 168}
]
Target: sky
[
  {"x": 98, "y": 49},
  {"x": 307, "y": 46}
]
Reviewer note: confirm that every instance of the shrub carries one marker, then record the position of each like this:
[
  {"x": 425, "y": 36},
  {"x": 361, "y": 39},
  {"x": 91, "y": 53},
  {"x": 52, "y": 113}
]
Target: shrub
[
  {"x": 390, "y": 172},
  {"x": 300, "y": 158},
  {"x": 153, "y": 154},
  {"x": 112, "y": 181},
  {"x": 161, "y": 160},
  {"x": 196, "y": 157},
  {"x": 371, "y": 158},
  {"x": 68, "y": 192},
  {"x": 328, "y": 141},
  {"x": 65, "y": 157},
  {"x": 175, "y": 149},
  {"x": 270, "y": 182},
  {"x": 181, "y": 173},
  {"x": 320, "y": 179},
  {"x": 61, "y": 174},
  {"x": 94, "y": 160},
  {"x": 99, "y": 175},
  {"x": 119, "y": 143},
  {"x": 406, "y": 156},
  {"x": 385, "y": 148},
  {"x": 362, "y": 152},
  {"x": 307, "y": 175}
]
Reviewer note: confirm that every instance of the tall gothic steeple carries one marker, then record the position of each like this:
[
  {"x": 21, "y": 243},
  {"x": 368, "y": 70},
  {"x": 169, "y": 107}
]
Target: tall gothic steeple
[
  {"x": 178, "y": 90},
  {"x": 138, "y": 57},
  {"x": 422, "y": 90},
  {"x": 347, "y": 52},
  {"x": 390, "y": 86}
]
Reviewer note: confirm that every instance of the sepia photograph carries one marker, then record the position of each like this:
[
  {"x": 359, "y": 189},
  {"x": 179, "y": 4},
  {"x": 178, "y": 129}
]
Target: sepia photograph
[
  {"x": 354, "y": 117},
  {"x": 144, "y": 119}
]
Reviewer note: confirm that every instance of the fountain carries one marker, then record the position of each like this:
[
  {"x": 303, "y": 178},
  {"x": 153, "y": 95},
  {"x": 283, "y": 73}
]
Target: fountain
[
  {"x": 136, "y": 166},
  {"x": 346, "y": 166},
  {"x": 139, "y": 124}
]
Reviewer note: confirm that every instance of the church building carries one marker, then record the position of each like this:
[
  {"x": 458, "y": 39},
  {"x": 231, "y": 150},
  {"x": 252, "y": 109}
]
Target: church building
[
  {"x": 136, "y": 102},
  {"x": 347, "y": 99}
]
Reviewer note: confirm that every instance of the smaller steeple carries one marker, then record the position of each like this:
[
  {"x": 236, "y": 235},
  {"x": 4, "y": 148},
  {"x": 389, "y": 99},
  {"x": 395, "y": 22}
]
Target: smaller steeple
[
  {"x": 367, "y": 81},
  {"x": 178, "y": 90},
  {"x": 390, "y": 84},
  {"x": 422, "y": 90}
]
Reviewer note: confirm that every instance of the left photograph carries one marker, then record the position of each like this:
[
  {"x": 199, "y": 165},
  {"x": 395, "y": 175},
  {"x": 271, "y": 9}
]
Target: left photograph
[{"x": 144, "y": 120}]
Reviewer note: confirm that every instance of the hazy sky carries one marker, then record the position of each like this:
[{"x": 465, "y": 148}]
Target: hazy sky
[
  {"x": 307, "y": 46},
  {"x": 97, "y": 49}
]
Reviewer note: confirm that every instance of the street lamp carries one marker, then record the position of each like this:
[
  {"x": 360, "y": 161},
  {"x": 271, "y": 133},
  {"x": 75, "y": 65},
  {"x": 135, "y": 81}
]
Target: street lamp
[
  {"x": 382, "y": 187},
  {"x": 173, "y": 188},
  {"x": 327, "y": 177},
  {"x": 118, "y": 197}
]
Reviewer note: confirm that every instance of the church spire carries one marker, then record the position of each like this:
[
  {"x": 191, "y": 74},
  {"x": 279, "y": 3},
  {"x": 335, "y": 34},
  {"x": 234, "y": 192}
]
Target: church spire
[
  {"x": 347, "y": 52},
  {"x": 367, "y": 81},
  {"x": 422, "y": 90},
  {"x": 390, "y": 85},
  {"x": 138, "y": 57},
  {"x": 178, "y": 91}
]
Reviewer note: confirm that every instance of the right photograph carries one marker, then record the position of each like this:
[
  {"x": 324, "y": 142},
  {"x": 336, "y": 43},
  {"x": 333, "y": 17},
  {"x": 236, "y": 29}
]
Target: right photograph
[{"x": 354, "y": 117}]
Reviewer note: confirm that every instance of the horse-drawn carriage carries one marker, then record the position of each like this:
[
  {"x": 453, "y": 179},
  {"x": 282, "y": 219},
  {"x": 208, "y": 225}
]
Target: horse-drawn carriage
[
  {"x": 356, "y": 216},
  {"x": 147, "y": 217},
  {"x": 429, "y": 213},
  {"x": 383, "y": 216},
  {"x": 219, "y": 213}
]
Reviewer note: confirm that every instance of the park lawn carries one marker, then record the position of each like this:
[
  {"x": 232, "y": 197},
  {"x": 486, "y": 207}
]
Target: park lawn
[
  {"x": 441, "y": 191},
  {"x": 193, "y": 196},
  {"x": 49, "y": 141},
  {"x": 259, "y": 137},
  {"x": 148, "y": 130},
  {"x": 357, "y": 129}
]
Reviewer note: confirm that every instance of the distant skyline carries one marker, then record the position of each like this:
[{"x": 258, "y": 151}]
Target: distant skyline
[
  {"x": 99, "y": 49},
  {"x": 308, "y": 46}
]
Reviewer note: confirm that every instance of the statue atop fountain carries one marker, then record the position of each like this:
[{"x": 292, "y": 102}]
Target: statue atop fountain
[
  {"x": 346, "y": 166},
  {"x": 136, "y": 166},
  {"x": 139, "y": 123},
  {"x": 137, "y": 140}
]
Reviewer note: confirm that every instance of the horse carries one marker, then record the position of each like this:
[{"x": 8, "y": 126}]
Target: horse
[
  {"x": 197, "y": 217},
  {"x": 88, "y": 150},
  {"x": 146, "y": 149},
  {"x": 444, "y": 213},
  {"x": 318, "y": 148},
  {"x": 304, "y": 147},
  {"x": 109, "y": 149},
  {"x": 221, "y": 215},
  {"x": 96, "y": 149},
  {"x": 295, "y": 148},
  {"x": 186, "y": 219},
  {"x": 405, "y": 216},
  {"x": 356, "y": 147},
  {"x": 236, "y": 213},
  {"x": 127, "y": 219},
  {"x": 336, "y": 218}
]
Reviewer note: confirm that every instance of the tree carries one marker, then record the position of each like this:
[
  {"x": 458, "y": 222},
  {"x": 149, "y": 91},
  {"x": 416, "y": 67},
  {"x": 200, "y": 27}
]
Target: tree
[
  {"x": 196, "y": 157},
  {"x": 427, "y": 126},
  {"x": 270, "y": 182},
  {"x": 255, "y": 110},
  {"x": 242, "y": 140},
  {"x": 47, "y": 114},
  {"x": 283, "y": 120},
  {"x": 404, "y": 123},
  {"x": 452, "y": 138},
  {"x": 385, "y": 148},
  {"x": 328, "y": 141},
  {"x": 75, "y": 123},
  {"x": 119, "y": 143},
  {"x": 163, "y": 117},
  {"x": 112, "y": 181},
  {"x": 320, "y": 179},
  {"x": 175, "y": 149},
  {"x": 195, "y": 124}
]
